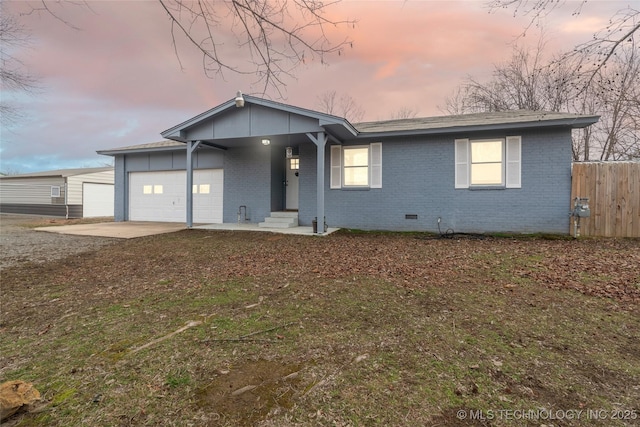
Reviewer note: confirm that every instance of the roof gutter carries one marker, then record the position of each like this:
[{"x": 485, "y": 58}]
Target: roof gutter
[
  {"x": 140, "y": 150},
  {"x": 573, "y": 123}
]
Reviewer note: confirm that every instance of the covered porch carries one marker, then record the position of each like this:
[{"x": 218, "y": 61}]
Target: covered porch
[{"x": 261, "y": 142}]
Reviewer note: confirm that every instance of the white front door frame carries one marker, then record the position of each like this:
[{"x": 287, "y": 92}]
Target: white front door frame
[{"x": 292, "y": 183}]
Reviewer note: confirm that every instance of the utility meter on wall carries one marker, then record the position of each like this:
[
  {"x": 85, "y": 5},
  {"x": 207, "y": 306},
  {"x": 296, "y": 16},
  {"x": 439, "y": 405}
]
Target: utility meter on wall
[{"x": 581, "y": 207}]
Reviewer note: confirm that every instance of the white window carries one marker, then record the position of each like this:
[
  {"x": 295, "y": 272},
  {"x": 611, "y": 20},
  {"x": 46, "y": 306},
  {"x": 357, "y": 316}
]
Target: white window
[
  {"x": 201, "y": 188},
  {"x": 147, "y": 189},
  {"x": 488, "y": 163},
  {"x": 294, "y": 164},
  {"x": 55, "y": 191},
  {"x": 356, "y": 166},
  {"x": 157, "y": 189}
]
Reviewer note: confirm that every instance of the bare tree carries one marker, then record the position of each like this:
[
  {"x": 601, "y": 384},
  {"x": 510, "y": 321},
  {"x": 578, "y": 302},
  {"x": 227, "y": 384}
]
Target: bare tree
[
  {"x": 344, "y": 106},
  {"x": 583, "y": 139},
  {"x": 458, "y": 102},
  {"x": 623, "y": 29},
  {"x": 527, "y": 81},
  {"x": 55, "y": 9},
  {"x": 276, "y": 35},
  {"x": 617, "y": 88},
  {"x": 13, "y": 75},
  {"x": 327, "y": 103},
  {"x": 10, "y": 172},
  {"x": 404, "y": 113},
  {"x": 614, "y": 94}
]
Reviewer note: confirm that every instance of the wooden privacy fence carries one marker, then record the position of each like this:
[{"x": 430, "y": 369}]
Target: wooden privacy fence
[{"x": 613, "y": 189}]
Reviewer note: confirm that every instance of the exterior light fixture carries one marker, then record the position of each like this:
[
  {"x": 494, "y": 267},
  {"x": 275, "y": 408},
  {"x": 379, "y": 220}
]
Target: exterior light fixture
[
  {"x": 266, "y": 141},
  {"x": 289, "y": 152},
  {"x": 239, "y": 100}
]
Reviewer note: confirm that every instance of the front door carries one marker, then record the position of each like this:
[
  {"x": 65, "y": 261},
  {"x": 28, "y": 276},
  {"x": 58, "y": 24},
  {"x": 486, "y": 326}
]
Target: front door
[{"x": 293, "y": 166}]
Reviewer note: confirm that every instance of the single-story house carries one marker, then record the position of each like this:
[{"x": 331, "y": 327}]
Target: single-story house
[
  {"x": 253, "y": 160},
  {"x": 70, "y": 193}
]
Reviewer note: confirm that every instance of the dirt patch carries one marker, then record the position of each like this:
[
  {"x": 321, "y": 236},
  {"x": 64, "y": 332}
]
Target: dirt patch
[{"x": 248, "y": 393}]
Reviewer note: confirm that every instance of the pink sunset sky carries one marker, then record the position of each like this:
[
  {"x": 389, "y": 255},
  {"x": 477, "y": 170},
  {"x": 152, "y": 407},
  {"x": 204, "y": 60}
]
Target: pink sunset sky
[{"x": 115, "y": 81}]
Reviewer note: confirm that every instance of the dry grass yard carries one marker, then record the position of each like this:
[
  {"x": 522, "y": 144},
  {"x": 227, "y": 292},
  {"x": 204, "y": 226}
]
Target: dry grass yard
[{"x": 205, "y": 328}]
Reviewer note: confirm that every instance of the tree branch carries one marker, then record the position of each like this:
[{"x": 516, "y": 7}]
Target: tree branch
[{"x": 276, "y": 36}]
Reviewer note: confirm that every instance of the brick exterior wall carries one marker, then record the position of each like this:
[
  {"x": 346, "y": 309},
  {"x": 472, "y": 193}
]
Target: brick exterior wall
[
  {"x": 418, "y": 179},
  {"x": 247, "y": 182}
]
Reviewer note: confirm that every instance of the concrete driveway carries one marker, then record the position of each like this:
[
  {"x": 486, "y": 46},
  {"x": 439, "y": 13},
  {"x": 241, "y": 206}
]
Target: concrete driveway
[{"x": 121, "y": 230}]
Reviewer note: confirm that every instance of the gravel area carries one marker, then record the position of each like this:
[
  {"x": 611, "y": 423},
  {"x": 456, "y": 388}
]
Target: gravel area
[{"x": 20, "y": 244}]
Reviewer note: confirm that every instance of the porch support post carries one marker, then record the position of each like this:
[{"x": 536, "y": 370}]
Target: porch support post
[
  {"x": 191, "y": 147},
  {"x": 321, "y": 142}
]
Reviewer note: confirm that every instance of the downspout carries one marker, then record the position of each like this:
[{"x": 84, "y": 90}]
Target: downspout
[{"x": 66, "y": 199}]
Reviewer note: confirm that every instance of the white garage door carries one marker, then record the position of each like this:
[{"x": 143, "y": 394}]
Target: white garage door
[
  {"x": 162, "y": 196},
  {"x": 97, "y": 200}
]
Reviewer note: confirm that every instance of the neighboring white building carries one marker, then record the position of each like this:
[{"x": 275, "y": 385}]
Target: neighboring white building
[{"x": 70, "y": 193}]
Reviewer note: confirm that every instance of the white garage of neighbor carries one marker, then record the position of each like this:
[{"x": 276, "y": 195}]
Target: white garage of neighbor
[
  {"x": 97, "y": 200},
  {"x": 161, "y": 196},
  {"x": 70, "y": 193}
]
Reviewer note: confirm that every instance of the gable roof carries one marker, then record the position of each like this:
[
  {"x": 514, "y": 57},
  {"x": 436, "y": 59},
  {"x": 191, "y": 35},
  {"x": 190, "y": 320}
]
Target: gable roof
[
  {"x": 502, "y": 120},
  {"x": 337, "y": 126},
  {"x": 60, "y": 173},
  {"x": 341, "y": 128}
]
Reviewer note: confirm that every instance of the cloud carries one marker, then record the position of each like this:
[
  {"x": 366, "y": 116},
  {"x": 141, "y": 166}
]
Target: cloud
[
  {"x": 117, "y": 81},
  {"x": 587, "y": 26}
]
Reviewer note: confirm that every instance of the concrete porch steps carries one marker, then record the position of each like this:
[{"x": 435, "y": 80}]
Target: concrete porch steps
[{"x": 280, "y": 220}]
